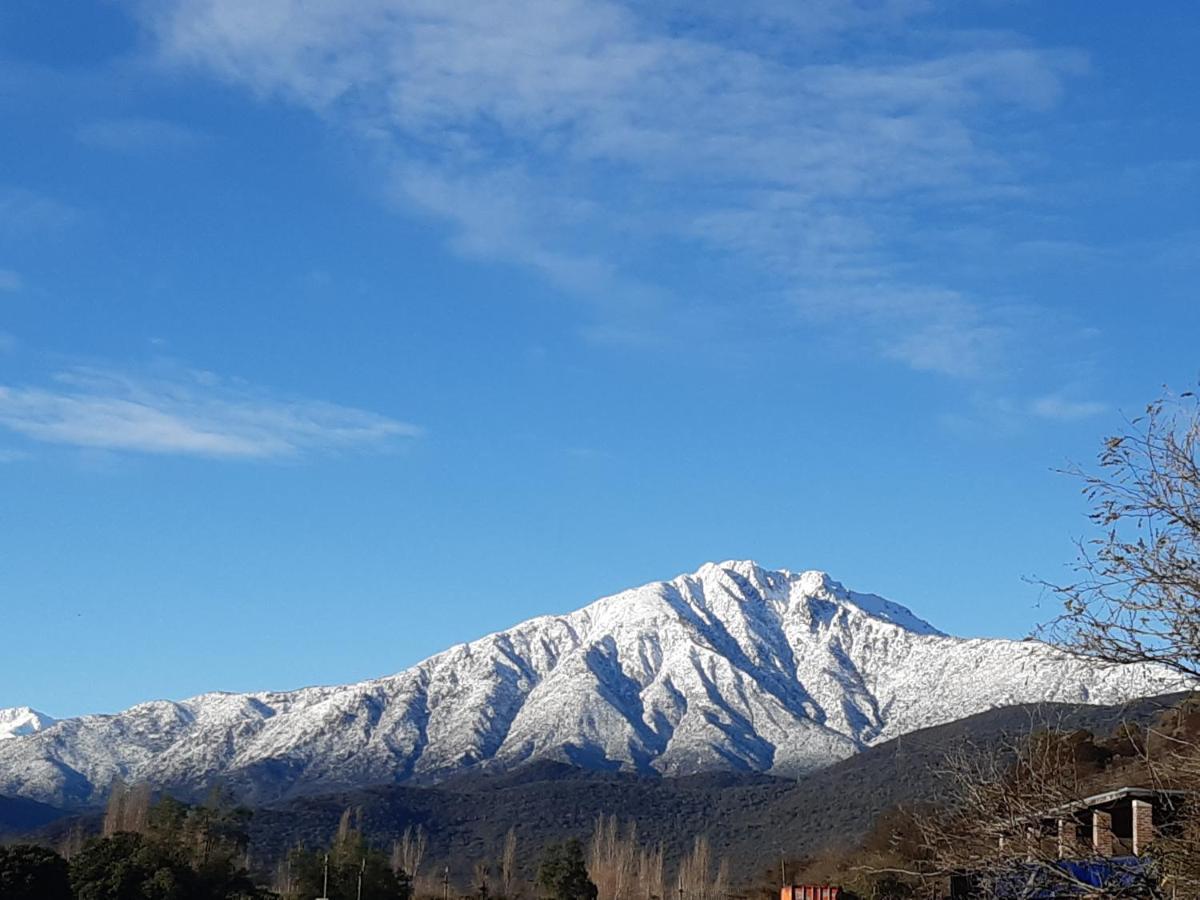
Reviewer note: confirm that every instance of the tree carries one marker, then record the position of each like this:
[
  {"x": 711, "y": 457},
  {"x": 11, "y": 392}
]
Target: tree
[
  {"x": 350, "y": 859},
  {"x": 508, "y": 864},
  {"x": 128, "y": 808},
  {"x": 481, "y": 873},
  {"x": 33, "y": 873},
  {"x": 612, "y": 858},
  {"x": 409, "y": 851},
  {"x": 621, "y": 867},
  {"x": 126, "y": 866},
  {"x": 1135, "y": 598},
  {"x": 177, "y": 852},
  {"x": 563, "y": 873},
  {"x": 1137, "y": 594},
  {"x": 697, "y": 880}
]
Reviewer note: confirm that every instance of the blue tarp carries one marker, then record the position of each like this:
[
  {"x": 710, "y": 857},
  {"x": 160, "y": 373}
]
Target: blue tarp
[{"x": 1030, "y": 882}]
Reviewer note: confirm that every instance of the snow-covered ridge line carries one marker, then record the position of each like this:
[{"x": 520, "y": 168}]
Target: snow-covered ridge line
[
  {"x": 733, "y": 666},
  {"x": 22, "y": 720}
]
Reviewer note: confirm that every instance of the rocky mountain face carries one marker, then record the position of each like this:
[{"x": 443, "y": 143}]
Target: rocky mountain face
[{"x": 733, "y": 667}]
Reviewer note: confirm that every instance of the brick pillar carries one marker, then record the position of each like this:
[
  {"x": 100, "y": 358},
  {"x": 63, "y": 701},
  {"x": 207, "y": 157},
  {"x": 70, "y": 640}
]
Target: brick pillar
[
  {"x": 1102, "y": 836},
  {"x": 1068, "y": 839},
  {"x": 1143, "y": 825}
]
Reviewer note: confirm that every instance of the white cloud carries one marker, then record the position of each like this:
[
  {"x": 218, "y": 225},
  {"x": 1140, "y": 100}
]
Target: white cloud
[
  {"x": 138, "y": 135},
  {"x": 583, "y": 138},
  {"x": 188, "y": 413},
  {"x": 25, "y": 212},
  {"x": 1058, "y": 408}
]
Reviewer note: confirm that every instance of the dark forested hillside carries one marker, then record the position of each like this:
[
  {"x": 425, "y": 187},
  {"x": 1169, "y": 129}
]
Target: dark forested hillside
[
  {"x": 20, "y": 816},
  {"x": 750, "y": 818}
]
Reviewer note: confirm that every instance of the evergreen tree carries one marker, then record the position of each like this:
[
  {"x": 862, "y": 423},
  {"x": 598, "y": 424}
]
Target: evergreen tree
[
  {"x": 563, "y": 873},
  {"x": 178, "y": 852},
  {"x": 349, "y": 859},
  {"x": 33, "y": 873}
]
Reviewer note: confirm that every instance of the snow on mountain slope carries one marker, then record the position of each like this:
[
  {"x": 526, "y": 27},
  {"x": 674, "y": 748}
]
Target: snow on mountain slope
[
  {"x": 20, "y": 720},
  {"x": 731, "y": 667}
]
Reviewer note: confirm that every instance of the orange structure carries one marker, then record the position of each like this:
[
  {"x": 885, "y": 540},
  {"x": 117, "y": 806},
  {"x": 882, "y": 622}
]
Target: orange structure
[{"x": 810, "y": 892}]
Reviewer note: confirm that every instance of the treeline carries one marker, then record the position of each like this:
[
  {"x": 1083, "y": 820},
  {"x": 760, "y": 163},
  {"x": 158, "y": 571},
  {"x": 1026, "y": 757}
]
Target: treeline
[
  {"x": 162, "y": 849},
  {"x": 167, "y": 850}
]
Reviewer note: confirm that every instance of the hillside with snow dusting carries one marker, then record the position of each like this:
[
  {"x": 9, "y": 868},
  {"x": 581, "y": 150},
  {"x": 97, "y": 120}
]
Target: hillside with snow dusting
[{"x": 732, "y": 667}]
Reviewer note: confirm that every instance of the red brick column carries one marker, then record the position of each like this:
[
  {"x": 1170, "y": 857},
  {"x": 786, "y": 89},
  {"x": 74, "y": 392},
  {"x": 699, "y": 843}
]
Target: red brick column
[
  {"x": 1143, "y": 825},
  {"x": 1102, "y": 836}
]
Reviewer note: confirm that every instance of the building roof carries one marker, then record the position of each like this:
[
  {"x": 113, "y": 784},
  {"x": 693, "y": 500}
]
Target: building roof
[{"x": 1124, "y": 793}]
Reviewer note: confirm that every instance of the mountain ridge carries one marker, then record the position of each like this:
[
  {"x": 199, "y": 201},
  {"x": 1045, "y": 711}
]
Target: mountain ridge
[
  {"x": 17, "y": 721},
  {"x": 730, "y": 667}
]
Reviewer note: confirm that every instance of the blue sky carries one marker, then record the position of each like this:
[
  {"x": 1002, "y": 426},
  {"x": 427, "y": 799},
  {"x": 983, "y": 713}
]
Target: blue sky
[{"x": 332, "y": 334}]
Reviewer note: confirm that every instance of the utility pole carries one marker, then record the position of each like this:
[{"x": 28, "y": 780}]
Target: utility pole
[
  {"x": 446, "y": 883},
  {"x": 325, "y": 888}
]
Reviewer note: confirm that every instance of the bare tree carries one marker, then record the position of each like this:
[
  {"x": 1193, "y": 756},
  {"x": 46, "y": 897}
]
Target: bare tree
[
  {"x": 697, "y": 878},
  {"x": 1013, "y": 813},
  {"x": 618, "y": 864},
  {"x": 508, "y": 864},
  {"x": 1136, "y": 597},
  {"x": 409, "y": 851},
  {"x": 114, "y": 810},
  {"x": 612, "y": 858},
  {"x": 128, "y": 808},
  {"x": 482, "y": 872},
  {"x": 650, "y": 873}
]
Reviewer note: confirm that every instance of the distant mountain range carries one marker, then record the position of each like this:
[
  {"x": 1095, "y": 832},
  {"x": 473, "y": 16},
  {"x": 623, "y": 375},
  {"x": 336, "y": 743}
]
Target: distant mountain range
[{"x": 732, "y": 668}]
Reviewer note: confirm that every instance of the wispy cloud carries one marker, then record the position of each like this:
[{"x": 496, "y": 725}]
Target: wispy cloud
[
  {"x": 188, "y": 413},
  {"x": 585, "y": 139},
  {"x": 989, "y": 415},
  {"x": 24, "y": 212},
  {"x": 1060, "y": 408},
  {"x": 138, "y": 135}
]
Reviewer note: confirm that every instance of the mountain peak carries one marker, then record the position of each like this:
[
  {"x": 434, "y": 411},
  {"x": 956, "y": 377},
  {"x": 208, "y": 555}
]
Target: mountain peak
[
  {"x": 732, "y": 667},
  {"x": 18, "y": 721},
  {"x": 808, "y": 585}
]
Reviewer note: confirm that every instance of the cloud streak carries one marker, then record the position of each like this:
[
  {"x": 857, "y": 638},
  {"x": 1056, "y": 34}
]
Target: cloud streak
[
  {"x": 584, "y": 140},
  {"x": 188, "y": 414},
  {"x": 1058, "y": 408},
  {"x": 138, "y": 135}
]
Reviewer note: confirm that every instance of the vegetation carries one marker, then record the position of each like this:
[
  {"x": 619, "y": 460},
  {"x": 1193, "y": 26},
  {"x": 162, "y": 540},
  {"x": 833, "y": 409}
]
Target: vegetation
[
  {"x": 1136, "y": 599},
  {"x": 33, "y": 873},
  {"x": 563, "y": 873},
  {"x": 348, "y": 869}
]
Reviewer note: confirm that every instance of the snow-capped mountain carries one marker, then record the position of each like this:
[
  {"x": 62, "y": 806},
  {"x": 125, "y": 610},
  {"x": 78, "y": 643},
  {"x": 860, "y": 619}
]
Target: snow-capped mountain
[
  {"x": 731, "y": 667},
  {"x": 20, "y": 720}
]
